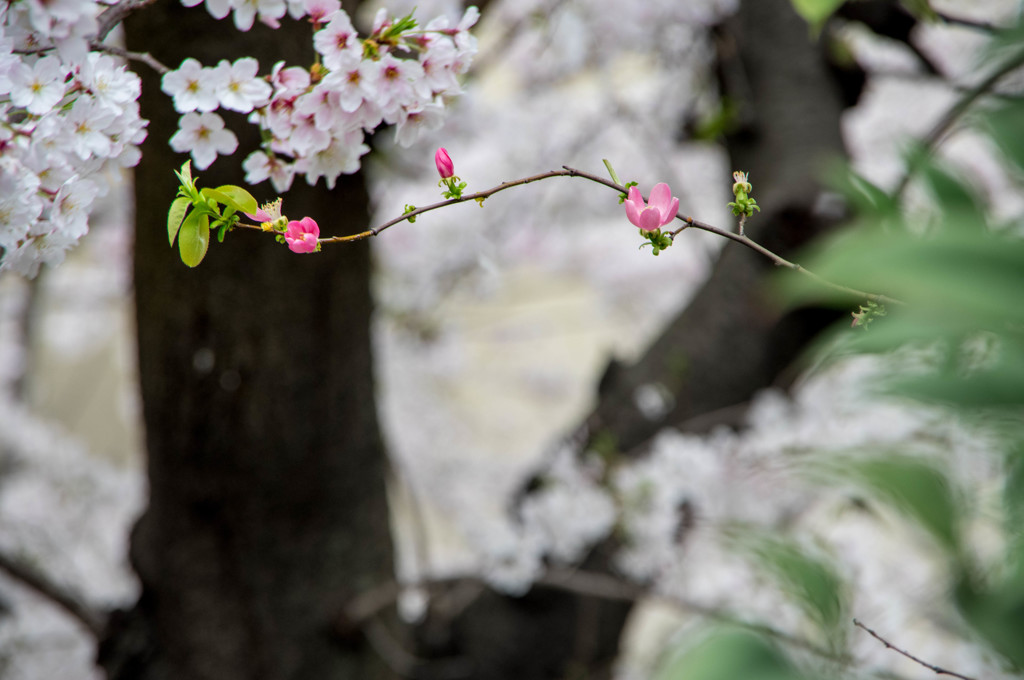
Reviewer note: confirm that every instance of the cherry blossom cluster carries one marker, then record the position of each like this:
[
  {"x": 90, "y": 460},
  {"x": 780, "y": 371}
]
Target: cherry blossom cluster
[
  {"x": 67, "y": 116},
  {"x": 315, "y": 120}
]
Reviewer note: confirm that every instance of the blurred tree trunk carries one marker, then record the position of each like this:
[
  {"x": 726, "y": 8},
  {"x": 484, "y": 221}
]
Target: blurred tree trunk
[
  {"x": 730, "y": 342},
  {"x": 267, "y": 511},
  {"x": 734, "y": 338}
]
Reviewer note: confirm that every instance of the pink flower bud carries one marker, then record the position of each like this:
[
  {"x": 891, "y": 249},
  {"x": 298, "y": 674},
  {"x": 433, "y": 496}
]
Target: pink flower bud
[
  {"x": 445, "y": 167},
  {"x": 302, "y": 235}
]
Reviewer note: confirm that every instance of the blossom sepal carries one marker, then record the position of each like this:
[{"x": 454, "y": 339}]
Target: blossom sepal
[
  {"x": 658, "y": 240},
  {"x": 628, "y": 185},
  {"x": 453, "y": 187}
]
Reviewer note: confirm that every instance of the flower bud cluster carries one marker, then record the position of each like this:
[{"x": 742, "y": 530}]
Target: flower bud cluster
[
  {"x": 315, "y": 120},
  {"x": 67, "y": 115}
]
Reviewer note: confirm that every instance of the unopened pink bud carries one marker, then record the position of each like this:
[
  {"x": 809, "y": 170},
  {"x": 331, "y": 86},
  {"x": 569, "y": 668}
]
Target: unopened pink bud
[{"x": 445, "y": 167}]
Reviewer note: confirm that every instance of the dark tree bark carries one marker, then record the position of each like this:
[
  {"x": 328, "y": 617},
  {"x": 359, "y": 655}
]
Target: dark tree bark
[
  {"x": 731, "y": 341},
  {"x": 267, "y": 509}
]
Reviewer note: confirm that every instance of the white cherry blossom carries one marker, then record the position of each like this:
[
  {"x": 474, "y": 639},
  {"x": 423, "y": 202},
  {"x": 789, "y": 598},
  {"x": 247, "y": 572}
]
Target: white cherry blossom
[
  {"x": 193, "y": 87},
  {"x": 412, "y": 121},
  {"x": 205, "y": 137},
  {"x": 38, "y": 87},
  {"x": 260, "y": 166},
  {"x": 338, "y": 42},
  {"x": 240, "y": 89}
]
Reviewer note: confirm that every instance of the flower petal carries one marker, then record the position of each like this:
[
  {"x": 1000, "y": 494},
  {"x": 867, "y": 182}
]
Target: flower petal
[
  {"x": 650, "y": 219},
  {"x": 661, "y": 196},
  {"x": 669, "y": 213},
  {"x": 634, "y": 205}
]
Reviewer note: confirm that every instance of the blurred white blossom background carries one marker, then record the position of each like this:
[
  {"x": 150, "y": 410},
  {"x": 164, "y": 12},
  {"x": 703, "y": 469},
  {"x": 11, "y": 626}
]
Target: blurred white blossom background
[{"x": 492, "y": 327}]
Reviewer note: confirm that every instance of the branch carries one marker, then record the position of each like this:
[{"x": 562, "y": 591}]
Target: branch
[
  {"x": 96, "y": 46},
  {"x": 115, "y": 14},
  {"x": 889, "y": 645},
  {"x": 968, "y": 23},
  {"x": 567, "y": 171},
  {"x": 364, "y": 608},
  {"x": 610, "y": 588},
  {"x": 91, "y": 619},
  {"x": 145, "y": 57},
  {"x": 939, "y": 130}
]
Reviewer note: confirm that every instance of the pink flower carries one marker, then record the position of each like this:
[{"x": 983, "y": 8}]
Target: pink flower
[
  {"x": 659, "y": 211},
  {"x": 302, "y": 235},
  {"x": 444, "y": 164}
]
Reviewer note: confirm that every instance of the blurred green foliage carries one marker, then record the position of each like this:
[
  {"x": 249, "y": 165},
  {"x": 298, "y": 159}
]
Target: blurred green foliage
[{"x": 958, "y": 274}]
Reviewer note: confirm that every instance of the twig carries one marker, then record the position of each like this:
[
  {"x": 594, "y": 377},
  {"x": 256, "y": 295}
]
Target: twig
[
  {"x": 366, "y": 607},
  {"x": 888, "y": 645},
  {"x": 145, "y": 57},
  {"x": 968, "y": 23},
  {"x": 567, "y": 171},
  {"x": 611, "y": 588},
  {"x": 91, "y": 619},
  {"x": 115, "y": 14},
  {"x": 939, "y": 130},
  {"x": 96, "y": 46}
]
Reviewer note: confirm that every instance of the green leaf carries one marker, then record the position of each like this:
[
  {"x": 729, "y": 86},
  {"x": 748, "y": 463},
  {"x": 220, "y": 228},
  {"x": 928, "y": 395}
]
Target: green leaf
[
  {"x": 194, "y": 238},
  {"x": 816, "y": 12},
  {"x": 953, "y": 196},
  {"x": 916, "y": 488},
  {"x": 233, "y": 197},
  {"x": 959, "y": 275},
  {"x": 730, "y": 655},
  {"x": 1007, "y": 127},
  {"x": 996, "y": 384},
  {"x": 864, "y": 196},
  {"x": 997, "y": 613},
  {"x": 810, "y": 580},
  {"x": 185, "y": 174},
  {"x": 175, "y": 215}
]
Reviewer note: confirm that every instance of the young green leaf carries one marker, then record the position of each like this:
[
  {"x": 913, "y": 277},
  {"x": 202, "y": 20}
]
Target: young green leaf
[
  {"x": 810, "y": 580},
  {"x": 1007, "y": 126},
  {"x": 175, "y": 215},
  {"x": 730, "y": 655},
  {"x": 194, "y": 238},
  {"x": 185, "y": 174},
  {"x": 233, "y": 197},
  {"x": 915, "y": 487}
]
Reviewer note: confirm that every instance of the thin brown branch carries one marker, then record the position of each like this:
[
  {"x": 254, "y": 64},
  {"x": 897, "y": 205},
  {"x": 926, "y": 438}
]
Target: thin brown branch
[
  {"x": 144, "y": 57},
  {"x": 967, "y": 23},
  {"x": 363, "y": 610},
  {"x": 567, "y": 171},
  {"x": 888, "y": 645},
  {"x": 115, "y": 14},
  {"x": 27, "y": 575},
  {"x": 479, "y": 196},
  {"x": 611, "y": 588},
  {"x": 96, "y": 46}
]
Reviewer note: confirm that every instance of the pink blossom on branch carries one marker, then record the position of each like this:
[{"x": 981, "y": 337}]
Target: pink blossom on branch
[
  {"x": 660, "y": 209},
  {"x": 302, "y": 235}
]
